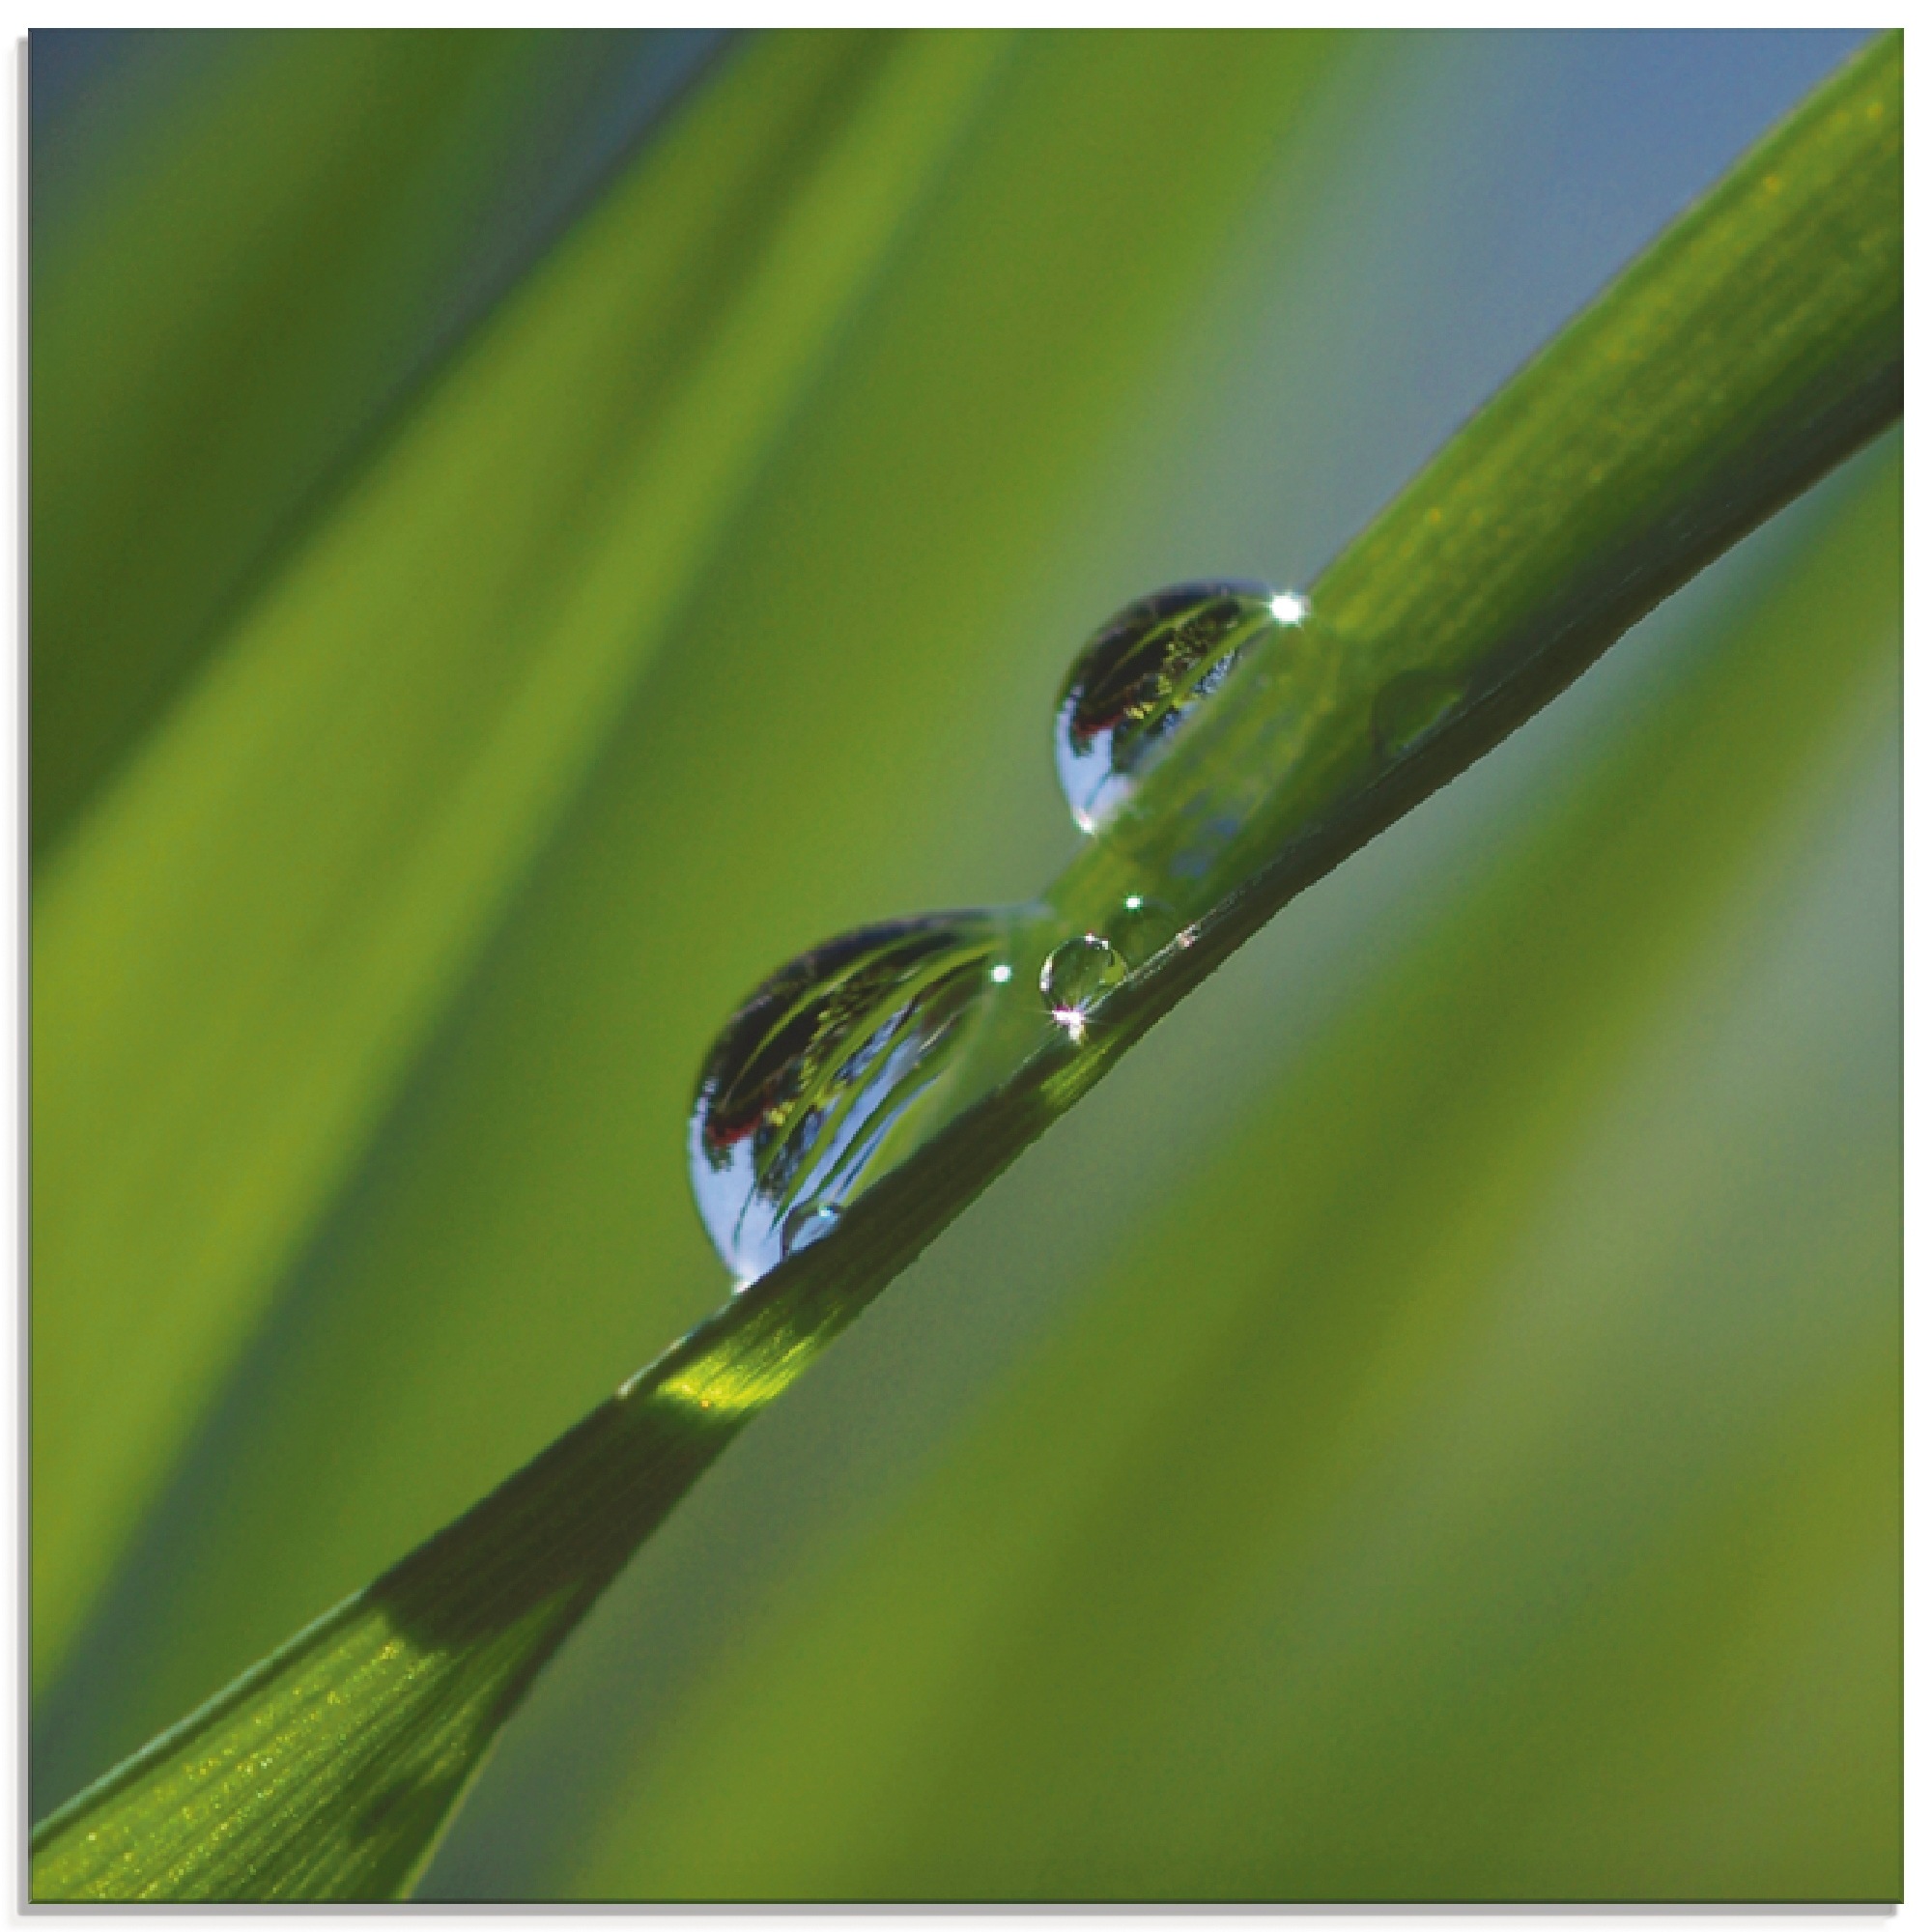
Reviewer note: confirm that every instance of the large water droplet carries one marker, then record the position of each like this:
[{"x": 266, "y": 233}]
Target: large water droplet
[
  {"x": 1408, "y": 707},
  {"x": 1141, "y": 676},
  {"x": 1076, "y": 976},
  {"x": 834, "y": 1069}
]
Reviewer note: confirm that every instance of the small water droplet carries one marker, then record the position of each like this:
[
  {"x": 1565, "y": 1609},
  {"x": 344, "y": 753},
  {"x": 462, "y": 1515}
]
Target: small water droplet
[
  {"x": 1143, "y": 673},
  {"x": 803, "y": 1226},
  {"x": 833, "y": 1070},
  {"x": 1076, "y": 976},
  {"x": 1409, "y": 707},
  {"x": 1140, "y": 927}
]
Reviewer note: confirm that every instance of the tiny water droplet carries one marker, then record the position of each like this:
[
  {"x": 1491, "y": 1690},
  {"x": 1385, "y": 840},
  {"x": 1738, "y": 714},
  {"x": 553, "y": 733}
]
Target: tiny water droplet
[
  {"x": 834, "y": 1069},
  {"x": 1076, "y": 976},
  {"x": 1143, "y": 673},
  {"x": 803, "y": 1226},
  {"x": 1139, "y": 928},
  {"x": 1408, "y": 707}
]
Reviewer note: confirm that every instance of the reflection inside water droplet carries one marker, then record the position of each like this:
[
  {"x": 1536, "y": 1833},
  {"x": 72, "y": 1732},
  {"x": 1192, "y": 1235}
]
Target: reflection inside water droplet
[
  {"x": 1076, "y": 976},
  {"x": 832, "y": 1070},
  {"x": 1409, "y": 707},
  {"x": 803, "y": 1226},
  {"x": 857, "y": 1052},
  {"x": 1141, "y": 676}
]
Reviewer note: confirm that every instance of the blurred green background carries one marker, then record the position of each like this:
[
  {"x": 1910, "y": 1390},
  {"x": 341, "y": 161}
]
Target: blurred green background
[{"x": 531, "y": 530}]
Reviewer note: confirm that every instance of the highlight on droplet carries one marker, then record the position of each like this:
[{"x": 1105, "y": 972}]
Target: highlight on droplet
[{"x": 1077, "y": 976}]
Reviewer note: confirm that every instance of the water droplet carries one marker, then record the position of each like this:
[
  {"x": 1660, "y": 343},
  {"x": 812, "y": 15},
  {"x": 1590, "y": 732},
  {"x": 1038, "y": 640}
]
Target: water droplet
[
  {"x": 1409, "y": 707},
  {"x": 833, "y": 1070},
  {"x": 1076, "y": 976},
  {"x": 803, "y": 1226},
  {"x": 1141, "y": 676},
  {"x": 1139, "y": 928}
]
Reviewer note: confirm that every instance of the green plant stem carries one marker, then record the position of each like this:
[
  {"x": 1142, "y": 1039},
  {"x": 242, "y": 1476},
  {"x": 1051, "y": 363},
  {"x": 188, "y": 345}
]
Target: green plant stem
[
  {"x": 1758, "y": 342},
  {"x": 1756, "y": 345}
]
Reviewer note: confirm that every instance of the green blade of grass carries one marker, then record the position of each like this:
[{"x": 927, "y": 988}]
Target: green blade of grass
[
  {"x": 1573, "y": 503},
  {"x": 1130, "y": 1634},
  {"x": 328, "y": 1771}
]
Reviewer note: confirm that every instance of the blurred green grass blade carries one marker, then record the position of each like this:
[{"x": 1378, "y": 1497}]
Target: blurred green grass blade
[
  {"x": 239, "y": 954},
  {"x": 1392, "y": 1341},
  {"x": 352, "y": 198},
  {"x": 1795, "y": 410},
  {"x": 519, "y": 1218},
  {"x": 328, "y": 1771}
]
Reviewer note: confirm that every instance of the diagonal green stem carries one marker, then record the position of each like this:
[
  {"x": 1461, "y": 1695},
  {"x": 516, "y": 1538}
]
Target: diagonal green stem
[{"x": 1757, "y": 343}]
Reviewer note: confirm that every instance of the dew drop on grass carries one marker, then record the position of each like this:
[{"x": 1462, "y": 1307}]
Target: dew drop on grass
[
  {"x": 1077, "y": 974},
  {"x": 1409, "y": 707},
  {"x": 1142, "y": 676},
  {"x": 834, "y": 1069},
  {"x": 856, "y": 1053}
]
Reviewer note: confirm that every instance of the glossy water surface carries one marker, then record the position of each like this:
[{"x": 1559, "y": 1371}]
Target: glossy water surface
[
  {"x": 1143, "y": 673},
  {"x": 1078, "y": 974},
  {"x": 826, "y": 1074}
]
